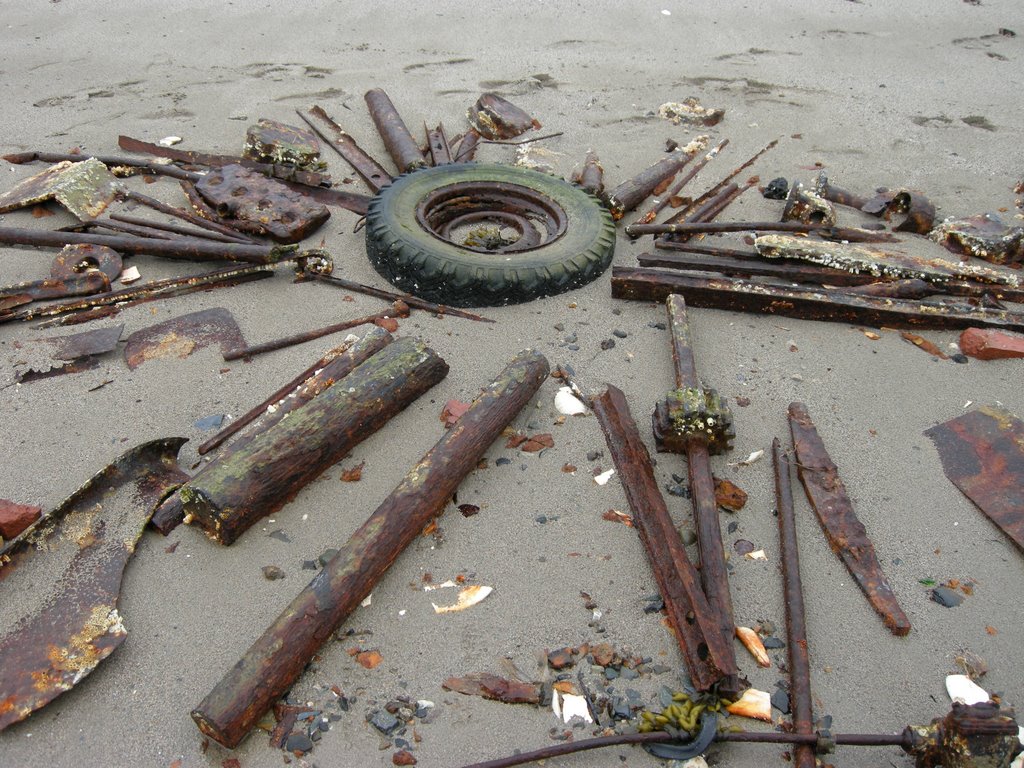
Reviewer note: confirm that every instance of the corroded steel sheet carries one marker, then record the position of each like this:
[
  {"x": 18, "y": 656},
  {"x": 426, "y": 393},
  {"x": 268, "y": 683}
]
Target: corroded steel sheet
[
  {"x": 982, "y": 453},
  {"x": 60, "y": 579},
  {"x": 181, "y": 336}
]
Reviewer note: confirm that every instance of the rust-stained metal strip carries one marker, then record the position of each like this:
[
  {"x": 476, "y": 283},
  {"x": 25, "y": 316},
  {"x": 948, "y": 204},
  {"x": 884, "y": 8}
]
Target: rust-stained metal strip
[
  {"x": 85, "y": 284},
  {"x": 828, "y": 304},
  {"x": 85, "y": 188},
  {"x": 706, "y": 651},
  {"x": 181, "y": 336},
  {"x": 982, "y": 453},
  {"x": 849, "y": 234},
  {"x": 630, "y": 193},
  {"x": 119, "y": 166},
  {"x": 437, "y": 145},
  {"x": 372, "y": 172},
  {"x": 191, "y": 218},
  {"x": 796, "y": 616},
  {"x": 64, "y": 575},
  {"x": 175, "y": 229},
  {"x": 844, "y": 531}
]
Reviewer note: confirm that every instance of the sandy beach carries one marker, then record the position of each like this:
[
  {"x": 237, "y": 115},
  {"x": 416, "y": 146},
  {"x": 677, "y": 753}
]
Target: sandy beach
[{"x": 920, "y": 95}]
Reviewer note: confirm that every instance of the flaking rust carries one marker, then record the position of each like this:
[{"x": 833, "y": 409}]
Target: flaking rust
[
  {"x": 984, "y": 236},
  {"x": 269, "y": 141},
  {"x": 496, "y": 118},
  {"x": 844, "y": 531},
  {"x": 43, "y": 358},
  {"x": 181, "y": 336},
  {"x": 982, "y": 453},
  {"x": 85, "y": 189},
  {"x": 282, "y": 213},
  {"x": 64, "y": 575}
]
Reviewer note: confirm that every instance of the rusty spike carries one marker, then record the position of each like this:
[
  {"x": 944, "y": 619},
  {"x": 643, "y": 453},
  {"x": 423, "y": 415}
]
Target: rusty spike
[
  {"x": 982, "y": 453},
  {"x": 70, "y": 621},
  {"x": 844, "y": 531}
]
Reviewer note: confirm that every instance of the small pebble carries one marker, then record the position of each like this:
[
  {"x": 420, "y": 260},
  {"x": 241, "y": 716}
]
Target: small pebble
[
  {"x": 272, "y": 573},
  {"x": 657, "y": 326},
  {"x": 619, "y": 334},
  {"x": 946, "y": 597},
  {"x": 608, "y": 344},
  {"x": 776, "y": 189},
  {"x": 780, "y": 701},
  {"x": 298, "y": 742},
  {"x": 675, "y": 489},
  {"x": 594, "y": 455},
  {"x": 501, "y": 462},
  {"x": 773, "y": 642}
]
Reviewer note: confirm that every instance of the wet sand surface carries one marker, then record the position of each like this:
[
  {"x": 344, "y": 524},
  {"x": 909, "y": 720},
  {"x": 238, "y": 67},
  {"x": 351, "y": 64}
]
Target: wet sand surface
[{"x": 922, "y": 96}]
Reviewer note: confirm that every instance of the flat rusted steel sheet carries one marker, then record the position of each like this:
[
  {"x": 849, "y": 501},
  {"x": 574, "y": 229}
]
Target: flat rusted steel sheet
[
  {"x": 497, "y": 688},
  {"x": 56, "y": 355},
  {"x": 843, "y": 529},
  {"x": 284, "y": 214},
  {"x": 181, "y": 336},
  {"x": 982, "y": 453},
  {"x": 85, "y": 189},
  {"x": 61, "y": 578}
]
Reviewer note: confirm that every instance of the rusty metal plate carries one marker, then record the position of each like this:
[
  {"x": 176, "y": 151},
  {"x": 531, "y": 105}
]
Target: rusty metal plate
[
  {"x": 283, "y": 214},
  {"x": 60, "y": 579},
  {"x": 272, "y": 142},
  {"x": 181, "y": 336},
  {"x": 982, "y": 453},
  {"x": 42, "y": 358},
  {"x": 82, "y": 258},
  {"x": 85, "y": 189},
  {"x": 843, "y": 529}
]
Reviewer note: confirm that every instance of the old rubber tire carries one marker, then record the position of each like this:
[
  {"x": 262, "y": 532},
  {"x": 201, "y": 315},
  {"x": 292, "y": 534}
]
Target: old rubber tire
[{"x": 421, "y": 263}]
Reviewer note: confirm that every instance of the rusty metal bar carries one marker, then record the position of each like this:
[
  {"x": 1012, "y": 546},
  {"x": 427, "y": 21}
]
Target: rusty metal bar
[
  {"x": 630, "y": 193},
  {"x": 724, "y": 201},
  {"x": 412, "y": 301},
  {"x": 844, "y": 531},
  {"x": 437, "y": 145},
  {"x": 170, "y": 210},
  {"x": 204, "y": 234},
  {"x": 398, "y": 309},
  {"x": 590, "y": 177},
  {"x": 127, "y": 229},
  {"x": 112, "y": 161},
  {"x": 85, "y": 284},
  {"x": 828, "y": 304},
  {"x": 369, "y": 170},
  {"x": 713, "y": 573},
  {"x": 665, "y": 199},
  {"x": 399, "y": 142},
  {"x": 147, "y": 292},
  {"x": 796, "y": 617},
  {"x": 280, "y": 171},
  {"x": 275, "y": 661},
  {"x": 851, "y": 234},
  {"x": 742, "y": 264},
  {"x": 708, "y": 654}
]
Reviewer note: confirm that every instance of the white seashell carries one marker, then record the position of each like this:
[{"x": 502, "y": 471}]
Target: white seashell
[
  {"x": 367, "y": 601},
  {"x": 604, "y": 477},
  {"x": 130, "y": 275},
  {"x": 961, "y": 688},
  {"x": 566, "y": 402},
  {"x": 570, "y": 706},
  {"x": 752, "y": 641},
  {"x": 468, "y": 597},
  {"x": 753, "y": 703},
  {"x": 169, "y": 141},
  {"x": 756, "y": 555}
]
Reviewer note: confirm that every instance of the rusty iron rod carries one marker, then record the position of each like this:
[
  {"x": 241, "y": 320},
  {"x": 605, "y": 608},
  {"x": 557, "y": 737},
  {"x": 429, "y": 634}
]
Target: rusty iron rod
[
  {"x": 138, "y": 230},
  {"x": 660, "y": 737},
  {"x": 707, "y": 651},
  {"x": 399, "y": 142},
  {"x": 275, "y": 661},
  {"x": 204, "y": 234},
  {"x": 371, "y": 172},
  {"x": 725, "y": 201},
  {"x": 466, "y": 150},
  {"x": 161, "y": 169},
  {"x": 665, "y": 199},
  {"x": 398, "y": 309},
  {"x": 713, "y": 572},
  {"x": 717, "y": 227},
  {"x": 591, "y": 176},
  {"x": 192, "y": 250},
  {"x": 796, "y": 616},
  {"x": 191, "y": 218},
  {"x": 380, "y": 293},
  {"x": 743, "y": 264}
]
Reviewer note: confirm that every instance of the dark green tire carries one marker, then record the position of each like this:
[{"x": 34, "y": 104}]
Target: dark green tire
[{"x": 418, "y": 262}]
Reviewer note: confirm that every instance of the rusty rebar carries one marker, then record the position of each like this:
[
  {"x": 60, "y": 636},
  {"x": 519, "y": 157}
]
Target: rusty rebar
[
  {"x": 665, "y": 199},
  {"x": 796, "y": 617},
  {"x": 398, "y": 309},
  {"x": 191, "y": 218},
  {"x": 204, "y": 234},
  {"x": 851, "y": 234},
  {"x": 114, "y": 161}
]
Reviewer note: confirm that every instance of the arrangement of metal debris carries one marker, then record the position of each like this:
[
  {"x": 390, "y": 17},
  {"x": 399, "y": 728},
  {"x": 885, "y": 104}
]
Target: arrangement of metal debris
[{"x": 450, "y": 232}]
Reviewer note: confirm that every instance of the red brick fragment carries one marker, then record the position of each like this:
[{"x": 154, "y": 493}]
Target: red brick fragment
[
  {"x": 990, "y": 344},
  {"x": 15, "y": 518}
]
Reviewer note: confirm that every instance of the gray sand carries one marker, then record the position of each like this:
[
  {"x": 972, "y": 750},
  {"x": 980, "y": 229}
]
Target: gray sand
[{"x": 879, "y": 95}]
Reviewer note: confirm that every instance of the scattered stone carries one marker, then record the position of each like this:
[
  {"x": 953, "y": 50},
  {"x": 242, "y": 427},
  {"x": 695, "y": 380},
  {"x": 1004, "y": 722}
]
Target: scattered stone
[
  {"x": 608, "y": 344},
  {"x": 742, "y": 402},
  {"x": 628, "y": 674},
  {"x": 15, "y": 518},
  {"x": 619, "y": 334},
  {"x": 603, "y": 654},
  {"x": 743, "y": 547},
  {"x": 309, "y": 565},
  {"x": 280, "y": 535},
  {"x": 990, "y": 344},
  {"x": 210, "y": 422},
  {"x": 780, "y": 700},
  {"x": 947, "y": 597},
  {"x": 468, "y": 510},
  {"x": 676, "y": 489},
  {"x": 403, "y": 757},
  {"x": 773, "y": 643},
  {"x": 384, "y": 722},
  {"x": 559, "y": 327},
  {"x": 501, "y": 462},
  {"x": 776, "y": 189},
  {"x": 298, "y": 743},
  {"x": 729, "y": 496},
  {"x": 272, "y": 573},
  {"x": 594, "y": 455},
  {"x": 657, "y": 326},
  {"x": 655, "y": 604}
]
